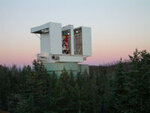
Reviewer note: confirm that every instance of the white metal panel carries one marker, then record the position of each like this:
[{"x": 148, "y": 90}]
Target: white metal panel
[
  {"x": 55, "y": 38},
  {"x": 67, "y": 27},
  {"x": 38, "y": 28},
  {"x": 61, "y": 58},
  {"x": 45, "y": 43},
  {"x": 86, "y": 41},
  {"x": 71, "y": 58}
]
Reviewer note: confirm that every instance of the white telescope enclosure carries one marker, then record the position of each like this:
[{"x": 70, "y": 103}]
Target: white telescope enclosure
[{"x": 63, "y": 44}]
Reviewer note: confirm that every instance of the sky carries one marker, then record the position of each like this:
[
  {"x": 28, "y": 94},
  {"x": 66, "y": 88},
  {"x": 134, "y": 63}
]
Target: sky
[{"x": 118, "y": 27}]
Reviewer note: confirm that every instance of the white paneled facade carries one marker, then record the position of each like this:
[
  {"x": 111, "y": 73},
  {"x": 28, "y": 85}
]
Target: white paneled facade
[
  {"x": 55, "y": 38},
  {"x": 86, "y": 41},
  {"x": 45, "y": 43}
]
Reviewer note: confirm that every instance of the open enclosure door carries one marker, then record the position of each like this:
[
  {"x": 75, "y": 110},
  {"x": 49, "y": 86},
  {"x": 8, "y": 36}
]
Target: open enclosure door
[
  {"x": 86, "y": 41},
  {"x": 78, "y": 41}
]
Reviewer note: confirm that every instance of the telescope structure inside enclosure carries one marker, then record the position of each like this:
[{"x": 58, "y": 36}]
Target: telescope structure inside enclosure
[{"x": 64, "y": 47}]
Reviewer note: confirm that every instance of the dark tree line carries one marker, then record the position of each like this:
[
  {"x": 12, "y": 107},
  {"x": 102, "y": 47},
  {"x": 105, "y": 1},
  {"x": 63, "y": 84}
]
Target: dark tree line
[{"x": 119, "y": 88}]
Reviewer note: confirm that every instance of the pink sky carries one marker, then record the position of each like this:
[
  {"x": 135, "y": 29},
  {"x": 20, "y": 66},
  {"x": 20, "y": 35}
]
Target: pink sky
[{"x": 118, "y": 27}]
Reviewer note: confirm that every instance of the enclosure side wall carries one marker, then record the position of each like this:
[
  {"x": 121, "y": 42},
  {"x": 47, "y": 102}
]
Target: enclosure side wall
[
  {"x": 86, "y": 41},
  {"x": 45, "y": 43},
  {"x": 55, "y": 38}
]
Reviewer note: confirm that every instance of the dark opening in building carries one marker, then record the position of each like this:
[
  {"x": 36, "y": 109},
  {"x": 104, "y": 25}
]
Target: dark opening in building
[{"x": 66, "y": 42}]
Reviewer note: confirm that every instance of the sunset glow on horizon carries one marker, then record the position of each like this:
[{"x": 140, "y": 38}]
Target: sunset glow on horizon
[{"x": 118, "y": 27}]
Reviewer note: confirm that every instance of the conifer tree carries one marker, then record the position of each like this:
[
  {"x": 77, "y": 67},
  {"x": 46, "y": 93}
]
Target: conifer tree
[
  {"x": 38, "y": 90},
  {"x": 119, "y": 97},
  {"x": 139, "y": 79}
]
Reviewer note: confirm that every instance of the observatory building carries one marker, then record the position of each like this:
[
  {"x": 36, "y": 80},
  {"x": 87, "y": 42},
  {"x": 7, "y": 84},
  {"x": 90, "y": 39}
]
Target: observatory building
[{"x": 63, "y": 47}]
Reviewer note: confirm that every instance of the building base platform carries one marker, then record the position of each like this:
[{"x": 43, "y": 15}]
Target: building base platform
[{"x": 58, "y": 68}]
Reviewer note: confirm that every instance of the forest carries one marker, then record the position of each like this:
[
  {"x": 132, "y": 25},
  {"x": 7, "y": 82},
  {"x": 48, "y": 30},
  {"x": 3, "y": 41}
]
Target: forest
[{"x": 118, "y": 88}]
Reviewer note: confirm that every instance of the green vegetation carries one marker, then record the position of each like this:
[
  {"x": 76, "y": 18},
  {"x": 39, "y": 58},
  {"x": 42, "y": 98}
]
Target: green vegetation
[{"x": 119, "y": 88}]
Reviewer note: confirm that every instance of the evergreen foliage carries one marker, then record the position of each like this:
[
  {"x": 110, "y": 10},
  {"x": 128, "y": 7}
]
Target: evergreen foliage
[{"x": 119, "y": 88}]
